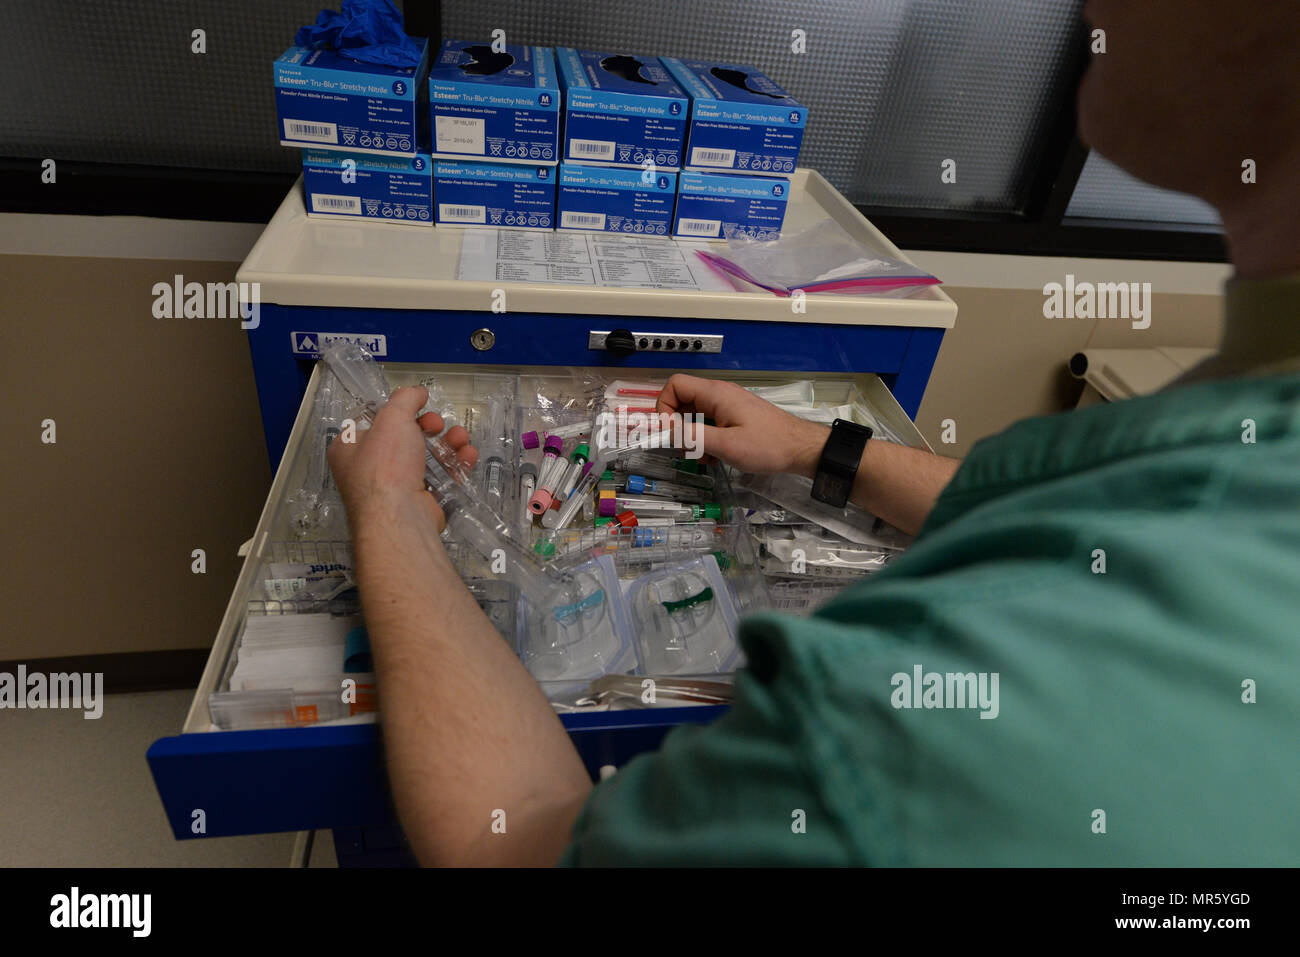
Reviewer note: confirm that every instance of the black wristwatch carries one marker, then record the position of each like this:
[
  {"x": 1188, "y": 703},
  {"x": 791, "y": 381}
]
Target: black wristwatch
[{"x": 839, "y": 462}]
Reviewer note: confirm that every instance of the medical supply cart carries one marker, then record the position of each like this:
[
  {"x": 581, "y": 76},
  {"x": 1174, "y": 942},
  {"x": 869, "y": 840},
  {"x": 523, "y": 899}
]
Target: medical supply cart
[{"x": 394, "y": 290}]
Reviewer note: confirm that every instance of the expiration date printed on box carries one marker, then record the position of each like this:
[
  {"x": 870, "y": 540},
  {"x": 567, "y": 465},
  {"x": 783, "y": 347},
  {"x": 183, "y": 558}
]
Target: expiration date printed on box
[{"x": 459, "y": 134}]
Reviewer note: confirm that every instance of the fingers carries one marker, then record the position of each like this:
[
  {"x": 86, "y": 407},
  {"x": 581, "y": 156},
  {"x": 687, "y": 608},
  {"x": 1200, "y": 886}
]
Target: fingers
[
  {"x": 700, "y": 439},
  {"x": 685, "y": 392},
  {"x": 407, "y": 401},
  {"x": 457, "y": 437},
  {"x": 431, "y": 422}
]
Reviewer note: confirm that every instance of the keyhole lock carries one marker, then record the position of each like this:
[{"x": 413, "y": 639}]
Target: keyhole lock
[{"x": 482, "y": 339}]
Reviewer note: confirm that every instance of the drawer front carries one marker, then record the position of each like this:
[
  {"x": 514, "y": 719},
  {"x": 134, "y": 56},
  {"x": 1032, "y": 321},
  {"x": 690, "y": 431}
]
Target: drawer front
[
  {"x": 283, "y": 348},
  {"x": 332, "y": 776},
  {"x": 298, "y": 779}
]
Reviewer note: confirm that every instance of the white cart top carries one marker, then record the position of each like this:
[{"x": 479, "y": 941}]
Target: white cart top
[{"x": 302, "y": 261}]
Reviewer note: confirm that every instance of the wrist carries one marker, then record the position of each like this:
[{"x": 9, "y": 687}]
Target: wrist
[
  {"x": 808, "y": 448},
  {"x": 380, "y": 511}
]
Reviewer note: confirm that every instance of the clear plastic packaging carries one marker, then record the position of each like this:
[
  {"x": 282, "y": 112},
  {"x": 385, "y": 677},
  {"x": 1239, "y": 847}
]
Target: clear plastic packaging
[
  {"x": 793, "y": 494},
  {"x": 685, "y": 620},
  {"x": 650, "y": 507},
  {"x": 316, "y": 509},
  {"x": 492, "y": 450},
  {"x": 582, "y": 638},
  {"x": 810, "y": 551},
  {"x": 470, "y": 519},
  {"x": 820, "y": 259}
]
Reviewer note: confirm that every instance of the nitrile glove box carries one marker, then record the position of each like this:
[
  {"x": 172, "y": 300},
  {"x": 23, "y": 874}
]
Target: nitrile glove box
[
  {"x": 323, "y": 99},
  {"x": 615, "y": 200},
  {"x": 494, "y": 194},
  {"x": 360, "y": 186},
  {"x": 718, "y": 205},
  {"x": 741, "y": 121},
  {"x": 501, "y": 107},
  {"x": 621, "y": 110}
]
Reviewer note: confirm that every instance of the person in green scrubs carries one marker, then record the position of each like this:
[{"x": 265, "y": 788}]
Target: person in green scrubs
[{"x": 1090, "y": 655}]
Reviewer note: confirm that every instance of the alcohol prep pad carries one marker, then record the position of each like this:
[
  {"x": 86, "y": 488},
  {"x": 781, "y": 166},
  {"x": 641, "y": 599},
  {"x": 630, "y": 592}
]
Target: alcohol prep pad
[
  {"x": 502, "y": 106},
  {"x": 325, "y": 99},
  {"x": 494, "y": 194},
  {"x": 615, "y": 200},
  {"x": 621, "y": 110},
  {"x": 717, "y": 206}
]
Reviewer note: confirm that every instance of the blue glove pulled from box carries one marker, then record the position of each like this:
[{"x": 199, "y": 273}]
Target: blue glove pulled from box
[{"x": 371, "y": 31}]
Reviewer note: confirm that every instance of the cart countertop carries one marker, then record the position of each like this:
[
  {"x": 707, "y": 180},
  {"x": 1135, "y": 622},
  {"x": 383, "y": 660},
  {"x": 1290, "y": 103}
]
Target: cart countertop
[{"x": 303, "y": 261}]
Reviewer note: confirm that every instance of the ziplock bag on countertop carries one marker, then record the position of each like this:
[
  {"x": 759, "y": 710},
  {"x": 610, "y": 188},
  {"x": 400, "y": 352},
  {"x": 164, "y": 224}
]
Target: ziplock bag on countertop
[
  {"x": 822, "y": 258},
  {"x": 371, "y": 31}
]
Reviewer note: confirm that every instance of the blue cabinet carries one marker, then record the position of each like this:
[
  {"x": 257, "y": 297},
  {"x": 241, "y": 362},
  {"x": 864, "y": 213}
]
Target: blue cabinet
[{"x": 396, "y": 289}]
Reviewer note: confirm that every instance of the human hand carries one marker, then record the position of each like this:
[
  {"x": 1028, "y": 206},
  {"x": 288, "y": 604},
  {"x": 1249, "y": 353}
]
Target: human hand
[
  {"x": 749, "y": 433},
  {"x": 385, "y": 464}
]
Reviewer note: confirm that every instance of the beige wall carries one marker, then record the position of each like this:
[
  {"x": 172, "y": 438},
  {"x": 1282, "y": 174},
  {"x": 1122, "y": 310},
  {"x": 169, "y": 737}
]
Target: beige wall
[
  {"x": 1004, "y": 361},
  {"x": 158, "y": 452},
  {"x": 160, "y": 446}
]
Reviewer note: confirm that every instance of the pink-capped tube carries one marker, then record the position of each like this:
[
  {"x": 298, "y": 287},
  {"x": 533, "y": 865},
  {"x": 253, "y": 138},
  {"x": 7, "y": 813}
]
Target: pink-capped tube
[{"x": 552, "y": 472}]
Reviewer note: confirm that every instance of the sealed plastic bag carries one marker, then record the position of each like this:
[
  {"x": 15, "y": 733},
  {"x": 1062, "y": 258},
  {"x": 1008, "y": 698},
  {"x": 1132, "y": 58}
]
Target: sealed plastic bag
[
  {"x": 371, "y": 31},
  {"x": 820, "y": 259}
]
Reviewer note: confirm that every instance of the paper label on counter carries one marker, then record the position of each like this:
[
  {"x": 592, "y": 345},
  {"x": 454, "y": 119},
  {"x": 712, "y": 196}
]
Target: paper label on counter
[{"x": 586, "y": 259}]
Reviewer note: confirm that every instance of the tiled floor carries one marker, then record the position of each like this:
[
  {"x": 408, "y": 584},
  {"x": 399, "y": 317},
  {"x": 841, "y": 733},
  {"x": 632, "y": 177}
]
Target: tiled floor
[{"x": 78, "y": 793}]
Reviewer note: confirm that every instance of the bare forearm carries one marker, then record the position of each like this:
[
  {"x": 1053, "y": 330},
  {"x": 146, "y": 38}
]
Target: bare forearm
[
  {"x": 471, "y": 740},
  {"x": 894, "y": 482}
]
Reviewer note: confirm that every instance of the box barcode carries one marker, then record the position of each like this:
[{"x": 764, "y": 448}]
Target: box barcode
[
  {"x": 699, "y": 227},
  {"x": 703, "y": 157},
  {"x": 461, "y": 214},
  {"x": 583, "y": 220},
  {"x": 316, "y": 132},
  {"x": 589, "y": 149},
  {"x": 790, "y": 604},
  {"x": 324, "y": 203}
]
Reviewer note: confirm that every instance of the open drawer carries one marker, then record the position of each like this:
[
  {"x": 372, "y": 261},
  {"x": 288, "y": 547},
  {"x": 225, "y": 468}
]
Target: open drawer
[{"x": 253, "y": 757}]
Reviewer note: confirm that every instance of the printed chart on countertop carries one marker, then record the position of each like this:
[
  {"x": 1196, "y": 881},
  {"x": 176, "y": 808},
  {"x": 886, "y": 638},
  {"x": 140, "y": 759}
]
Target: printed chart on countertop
[{"x": 590, "y": 259}]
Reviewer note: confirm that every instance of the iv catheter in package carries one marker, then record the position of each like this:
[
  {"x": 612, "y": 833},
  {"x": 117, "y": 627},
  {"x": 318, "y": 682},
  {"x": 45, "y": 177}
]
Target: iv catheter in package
[
  {"x": 583, "y": 638},
  {"x": 470, "y": 519},
  {"x": 685, "y": 619}
]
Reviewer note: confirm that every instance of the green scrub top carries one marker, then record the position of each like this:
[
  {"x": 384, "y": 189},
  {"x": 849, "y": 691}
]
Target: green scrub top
[{"x": 1129, "y": 572}]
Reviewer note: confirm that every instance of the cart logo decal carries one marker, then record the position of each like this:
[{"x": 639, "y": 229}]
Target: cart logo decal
[{"x": 311, "y": 343}]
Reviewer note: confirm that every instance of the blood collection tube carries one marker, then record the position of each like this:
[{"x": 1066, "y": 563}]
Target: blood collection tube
[{"x": 549, "y": 476}]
